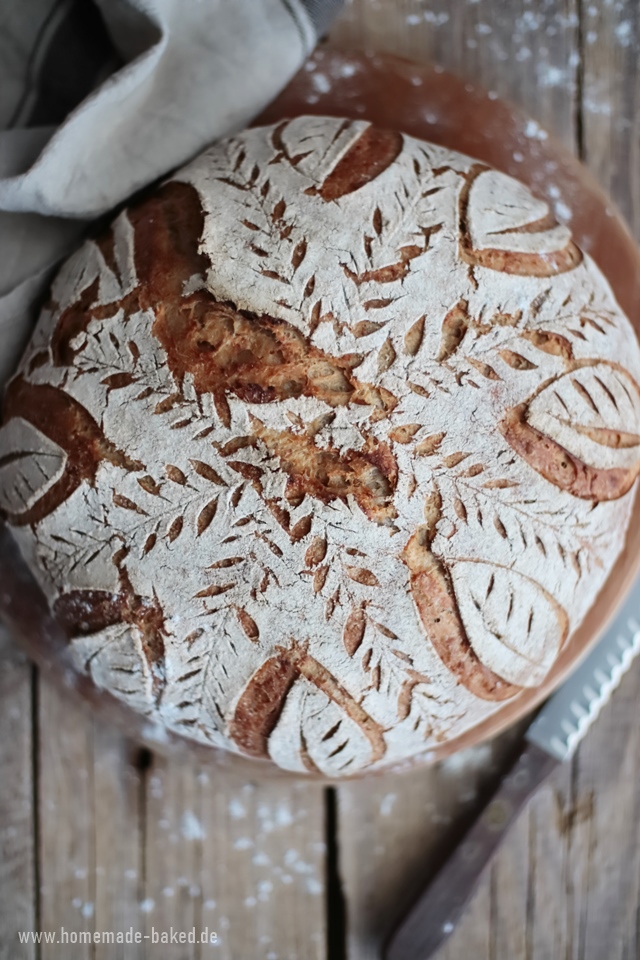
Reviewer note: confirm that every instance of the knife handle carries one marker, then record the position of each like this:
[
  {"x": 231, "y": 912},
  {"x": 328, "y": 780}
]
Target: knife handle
[{"x": 436, "y": 913}]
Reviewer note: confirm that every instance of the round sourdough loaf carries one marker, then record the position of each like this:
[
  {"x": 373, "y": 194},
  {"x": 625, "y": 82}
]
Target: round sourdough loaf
[{"x": 322, "y": 450}]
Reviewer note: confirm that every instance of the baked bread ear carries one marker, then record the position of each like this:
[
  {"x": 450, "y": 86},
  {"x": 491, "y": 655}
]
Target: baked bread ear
[{"x": 323, "y": 450}]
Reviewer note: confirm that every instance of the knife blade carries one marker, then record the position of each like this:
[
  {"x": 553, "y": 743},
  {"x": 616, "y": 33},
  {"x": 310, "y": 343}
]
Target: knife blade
[{"x": 552, "y": 738}]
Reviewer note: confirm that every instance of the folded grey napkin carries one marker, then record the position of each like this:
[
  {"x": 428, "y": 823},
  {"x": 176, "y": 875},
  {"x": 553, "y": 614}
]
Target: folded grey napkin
[{"x": 98, "y": 100}]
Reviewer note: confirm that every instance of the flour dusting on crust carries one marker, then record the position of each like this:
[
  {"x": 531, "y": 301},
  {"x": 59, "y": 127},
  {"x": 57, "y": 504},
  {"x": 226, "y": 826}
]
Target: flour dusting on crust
[{"x": 323, "y": 450}]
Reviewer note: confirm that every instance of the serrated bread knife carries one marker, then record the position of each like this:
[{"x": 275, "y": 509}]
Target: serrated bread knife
[{"x": 552, "y": 738}]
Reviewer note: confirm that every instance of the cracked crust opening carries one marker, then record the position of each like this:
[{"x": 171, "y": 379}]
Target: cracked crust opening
[{"x": 323, "y": 450}]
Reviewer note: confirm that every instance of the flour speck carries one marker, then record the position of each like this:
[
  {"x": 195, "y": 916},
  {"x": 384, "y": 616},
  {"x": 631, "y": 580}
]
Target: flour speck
[
  {"x": 243, "y": 843},
  {"x": 465, "y": 760},
  {"x": 534, "y": 131},
  {"x": 237, "y": 810},
  {"x": 549, "y": 76},
  {"x": 386, "y": 804},
  {"x": 624, "y": 33},
  {"x": 191, "y": 828},
  {"x": 321, "y": 82}
]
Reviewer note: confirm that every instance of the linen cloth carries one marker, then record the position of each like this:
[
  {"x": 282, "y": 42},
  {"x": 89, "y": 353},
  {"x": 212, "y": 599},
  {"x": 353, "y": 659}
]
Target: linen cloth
[{"x": 99, "y": 99}]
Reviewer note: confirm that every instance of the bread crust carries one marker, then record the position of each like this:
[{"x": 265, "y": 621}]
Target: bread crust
[{"x": 323, "y": 450}]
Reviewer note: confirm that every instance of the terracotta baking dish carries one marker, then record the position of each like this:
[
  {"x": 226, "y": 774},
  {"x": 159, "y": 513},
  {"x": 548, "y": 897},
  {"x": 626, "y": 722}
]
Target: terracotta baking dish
[{"x": 432, "y": 104}]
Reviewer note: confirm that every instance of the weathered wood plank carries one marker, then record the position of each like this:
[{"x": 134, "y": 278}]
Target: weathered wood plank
[
  {"x": 526, "y": 52},
  {"x": 565, "y": 884},
  {"x": 473, "y": 938},
  {"x": 66, "y": 821},
  {"x": 244, "y": 861},
  {"x": 393, "y": 833},
  {"x": 608, "y": 818},
  {"x": 173, "y": 835},
  {"x": 263, "y": 868},
  {"x": 17, "y": 839},
  {"x": 507, "y": 915},
  {"x": 611, "y": 101},
  {"x": 118, "y": 802},
  {"x": 89, "y": 825},
  {"x": 547, "y": 849},
  {"x": 172, "y": 849}
]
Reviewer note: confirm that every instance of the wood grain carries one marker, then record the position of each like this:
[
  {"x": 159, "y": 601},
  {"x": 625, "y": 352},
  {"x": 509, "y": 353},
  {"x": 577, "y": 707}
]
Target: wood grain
[
  {"x": 118, "y": 797},
  {"x": 18, "y": 900},
  {"x": 172, "y": 840},
  {"x": 525, "y": 52},
  {"x": 243, "y": 860},
  {"x": 142, "y": 842},
  {"x": 263, "y": 864},
  {"x": 394, "y": 831},
  {"x": 607, "y": 832},
  {"x": 610, "y": 117},
  {"x": 66, "y": 816}
]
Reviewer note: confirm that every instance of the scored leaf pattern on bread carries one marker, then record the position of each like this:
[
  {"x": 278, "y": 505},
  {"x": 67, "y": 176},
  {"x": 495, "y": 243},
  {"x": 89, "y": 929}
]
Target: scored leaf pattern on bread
[{"x": 323, "y": 450}]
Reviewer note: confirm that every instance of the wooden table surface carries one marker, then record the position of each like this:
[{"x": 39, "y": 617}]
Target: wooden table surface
[{"x": 97, "y": 835}]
